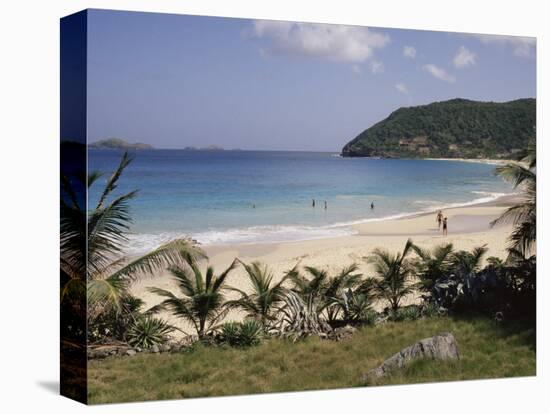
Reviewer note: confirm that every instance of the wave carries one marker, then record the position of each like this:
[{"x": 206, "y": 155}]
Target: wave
[{"x": 143, "y": 242}]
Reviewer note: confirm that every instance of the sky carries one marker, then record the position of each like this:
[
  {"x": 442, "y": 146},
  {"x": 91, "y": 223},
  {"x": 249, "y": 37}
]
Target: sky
[{"x": 174, "y": 81}]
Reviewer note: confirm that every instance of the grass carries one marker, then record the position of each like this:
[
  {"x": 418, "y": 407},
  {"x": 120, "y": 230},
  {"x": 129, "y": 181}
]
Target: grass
[{"x": 487, "y": 351}]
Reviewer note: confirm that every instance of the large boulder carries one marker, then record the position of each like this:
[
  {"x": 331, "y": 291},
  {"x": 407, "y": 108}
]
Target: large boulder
[{"x": 441, "y": 347}]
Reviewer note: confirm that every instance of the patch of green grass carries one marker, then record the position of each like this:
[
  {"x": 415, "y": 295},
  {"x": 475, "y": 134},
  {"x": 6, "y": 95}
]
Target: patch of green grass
[{"x": 486, "y": 350}]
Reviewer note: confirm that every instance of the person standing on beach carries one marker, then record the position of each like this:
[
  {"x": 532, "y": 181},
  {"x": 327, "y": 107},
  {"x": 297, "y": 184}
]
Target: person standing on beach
[
  {"x": 439, "y": 218},
  {"x": 325, "y": 204},
  {"x": 313, "y": 202},
  {"x": 445, "y": 226}
]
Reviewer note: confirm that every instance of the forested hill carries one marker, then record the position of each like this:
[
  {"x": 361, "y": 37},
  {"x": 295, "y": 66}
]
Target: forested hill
[
  {"x": 117, "y": 143},
  {"x": 454, "y": 128}
]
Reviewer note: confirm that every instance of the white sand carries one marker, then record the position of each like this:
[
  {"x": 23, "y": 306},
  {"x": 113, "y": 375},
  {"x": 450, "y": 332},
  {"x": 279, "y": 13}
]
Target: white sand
[{"x": 468, "y": 227}]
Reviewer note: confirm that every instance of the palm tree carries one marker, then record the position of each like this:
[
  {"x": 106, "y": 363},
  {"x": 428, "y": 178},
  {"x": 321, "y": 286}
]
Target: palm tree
[
  {"x": 356, "y": 304},
  {"x": 203, "y": 301},
  {"x": 325, "y": 290},
  {"x": 335, "y": 290},
  {"x": 523, "y": 215},
  {"x": 313, "y": 286},
  {"x": 92, "y": 243},
  {"x": 395, "y": 274},
  {"x": 265, "y": 297},
  {"x": 465, "y": 262},
  {"x": 432, "y": 265}
]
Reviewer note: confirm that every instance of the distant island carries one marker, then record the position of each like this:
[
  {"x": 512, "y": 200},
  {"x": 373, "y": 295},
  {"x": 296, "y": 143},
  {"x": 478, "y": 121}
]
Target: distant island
[
  {"x": 208, "y": 148},
  {"x": 458, "y": 128},
  {"x": 117, "y": 143}
]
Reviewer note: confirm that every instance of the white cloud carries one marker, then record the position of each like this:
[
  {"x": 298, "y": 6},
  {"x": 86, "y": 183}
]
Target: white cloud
[
  {"x": 464, "y": 58},
  {"x": 376, "y": 67},
  {"x": 356, "y": 69},
  {"x": 439, "y": 73},
  {"x": 332, "y": 42},
  {"x": 409, "y": 52},
  {"x": 401, "y": 87},
  {"x": 521, "y": 46}
]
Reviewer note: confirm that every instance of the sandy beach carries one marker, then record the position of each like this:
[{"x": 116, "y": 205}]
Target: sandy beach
[{"x": 468, "y": 227}]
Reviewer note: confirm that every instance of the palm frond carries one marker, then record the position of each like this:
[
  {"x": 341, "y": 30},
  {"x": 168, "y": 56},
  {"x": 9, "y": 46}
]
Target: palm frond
[
  {"x": 516, "y": 174},
  {"x": 220, "y": 280},
  {"x": 93, "y": 177},
  {"x": 113, "y": 179},
  {"x": 107, "y": 228},
  {"x": 177, "y": 252},
  {"x": 106, "y": 292}
]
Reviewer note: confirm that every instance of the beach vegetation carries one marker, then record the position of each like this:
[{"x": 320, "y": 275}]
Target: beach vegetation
[
  {"x": 202, "y": 302},
  {"x": 395, "y": 273},
  {"x": 523, "y": 215},
  {"x": 406, "y": 313},
  {"x": 92, "y": 250},
  {"x": 300, "y": 317},
  {"x": 265, "y": 295},
  {"x": 147, "y": 331},
  {"x": 468, "y": 262},
  {"x": 356, "y": 304},
  {"x": 333, "y": 294},
  {"x": 431, "y": 265},
  {"x": 249, "y": 332}
]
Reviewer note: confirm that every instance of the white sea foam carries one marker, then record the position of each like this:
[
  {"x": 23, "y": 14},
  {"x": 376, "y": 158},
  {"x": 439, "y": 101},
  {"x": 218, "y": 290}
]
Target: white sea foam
[{"x": 143, "y": 242}]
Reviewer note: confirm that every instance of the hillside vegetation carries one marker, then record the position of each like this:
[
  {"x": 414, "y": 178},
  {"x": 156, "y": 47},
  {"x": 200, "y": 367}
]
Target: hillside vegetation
[
  {"x": 455, "y": 128},
  {"x": 117, "y": 143}
]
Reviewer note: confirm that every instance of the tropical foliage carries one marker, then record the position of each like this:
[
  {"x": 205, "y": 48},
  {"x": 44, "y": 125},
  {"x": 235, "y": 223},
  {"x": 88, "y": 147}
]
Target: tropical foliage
[
  {"x": 266, "y": 295},
  {"x": 92, "y": 247},
  {"x": 242, "y": 334},
  {"x": 147, "y": 331},
  {"x": 329, "y": 292},
  {"x": 202, "y": 303},
  {"x": 466, "y": 262},
  {"x": 432, "y": 265},
  {"x": 523, "y": 215},
  {"x": 395, "y": 273},
  {"x": 300, "y": 317}
]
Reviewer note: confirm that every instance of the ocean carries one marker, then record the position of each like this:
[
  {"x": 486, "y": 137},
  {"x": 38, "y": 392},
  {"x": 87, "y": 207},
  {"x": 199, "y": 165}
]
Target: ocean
[{"x": 222, "y": 197}]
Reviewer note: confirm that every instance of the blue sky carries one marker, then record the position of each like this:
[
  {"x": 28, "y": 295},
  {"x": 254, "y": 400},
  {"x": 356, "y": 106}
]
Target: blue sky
[{"x": 175, "y": 81}]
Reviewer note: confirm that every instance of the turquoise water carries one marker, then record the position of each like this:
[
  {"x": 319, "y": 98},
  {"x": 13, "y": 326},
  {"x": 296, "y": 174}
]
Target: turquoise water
[{"x": 221, "y": 197}]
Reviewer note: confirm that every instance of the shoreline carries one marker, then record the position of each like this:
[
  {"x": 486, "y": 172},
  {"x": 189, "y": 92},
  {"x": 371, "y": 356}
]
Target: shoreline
[
  {"x": 504, "y": 200},
  {"x": 490, "y": 161},
  {"x": 381, "y": 226}
]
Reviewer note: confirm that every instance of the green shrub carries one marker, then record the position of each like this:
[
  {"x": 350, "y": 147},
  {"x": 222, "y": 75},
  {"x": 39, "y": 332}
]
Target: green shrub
[
  {"x": 242, "y": 334},
  {"x": 148, "y": 331},
  {"x": 370, "y": 317},
  {"x": 430, "y": 310},
  {"x": 407, "y": 313}
]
